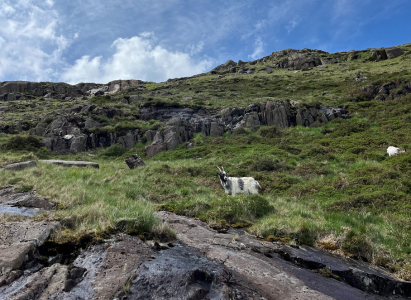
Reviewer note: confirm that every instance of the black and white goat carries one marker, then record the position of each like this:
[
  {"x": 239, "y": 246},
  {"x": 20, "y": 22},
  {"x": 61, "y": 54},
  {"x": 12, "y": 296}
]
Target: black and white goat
[{"x": 238, "y": 185}]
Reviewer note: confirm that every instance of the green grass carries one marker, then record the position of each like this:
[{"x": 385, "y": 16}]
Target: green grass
[{"x": 329, "y": 185}]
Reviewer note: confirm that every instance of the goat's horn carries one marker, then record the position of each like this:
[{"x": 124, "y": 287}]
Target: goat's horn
[
  {"x": 222, "y": 168},
  {"x": 219, "y": 169}
]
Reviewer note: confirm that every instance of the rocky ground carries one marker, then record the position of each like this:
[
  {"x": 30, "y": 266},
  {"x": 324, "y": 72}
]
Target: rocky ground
[{"x": 201, "y": 264}]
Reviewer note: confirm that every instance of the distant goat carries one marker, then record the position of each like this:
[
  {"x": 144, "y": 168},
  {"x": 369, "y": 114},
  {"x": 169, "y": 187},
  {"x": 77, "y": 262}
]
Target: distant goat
[
  {"x": 237, "y": 185},
  {"x": 391, "y": 150}
]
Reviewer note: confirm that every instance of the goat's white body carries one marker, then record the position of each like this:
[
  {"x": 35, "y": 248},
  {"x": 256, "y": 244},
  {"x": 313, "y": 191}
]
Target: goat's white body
[
  {"x": 391, "y": 150},
  {"x": 240, "y": 185}
]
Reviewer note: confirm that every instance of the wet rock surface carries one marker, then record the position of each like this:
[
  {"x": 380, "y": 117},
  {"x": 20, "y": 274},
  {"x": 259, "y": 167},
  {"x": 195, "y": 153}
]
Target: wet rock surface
[
  {"x": 24, "y": 204},
  {"x": 279, "y": 271}
]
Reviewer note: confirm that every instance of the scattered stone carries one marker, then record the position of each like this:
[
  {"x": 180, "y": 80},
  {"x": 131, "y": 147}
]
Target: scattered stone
[
  {"x": 67, "y": 163},
  {"x": 189, "y": 146},
  {"x": 28, "y": 199},
  {"x": 134, "y": 161},
  {"x": 187, "y": 98},
  {"x": 322, "y": 66},
  {"x": 20, "y": 166}
]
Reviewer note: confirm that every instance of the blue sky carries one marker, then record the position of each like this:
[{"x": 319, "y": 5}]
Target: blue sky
[{"x": 99, "y": 41}]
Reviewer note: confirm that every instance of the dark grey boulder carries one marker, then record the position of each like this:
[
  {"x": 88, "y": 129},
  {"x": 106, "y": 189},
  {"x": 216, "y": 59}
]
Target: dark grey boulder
[
  {"x": 90, "y": 123},
  {"x": 78, "y": 144},
  {"x": 393, "y": 52},
  {"x": 20, "y": 166},
  {"x": 134, "y": 161}
]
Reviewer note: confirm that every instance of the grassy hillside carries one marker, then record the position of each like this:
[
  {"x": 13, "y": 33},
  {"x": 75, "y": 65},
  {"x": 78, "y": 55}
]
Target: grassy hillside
[{"x": 332, "y": 186}]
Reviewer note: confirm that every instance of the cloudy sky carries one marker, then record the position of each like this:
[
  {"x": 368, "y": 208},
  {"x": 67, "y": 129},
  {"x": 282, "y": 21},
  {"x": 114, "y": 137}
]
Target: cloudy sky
[{"x": 99, "y": 41}]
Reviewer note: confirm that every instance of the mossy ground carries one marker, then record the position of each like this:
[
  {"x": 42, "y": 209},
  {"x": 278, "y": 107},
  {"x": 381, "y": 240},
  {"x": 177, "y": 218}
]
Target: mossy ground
[{"x": 333, "y": 185}]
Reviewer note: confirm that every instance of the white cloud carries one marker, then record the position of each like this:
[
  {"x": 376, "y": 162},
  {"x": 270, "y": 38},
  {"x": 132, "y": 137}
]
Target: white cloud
[
  {"x": 136, "y": 58},
  {"x": 258, "y": 49},
  {"x": 29, "y": 42},
  {"x": 292, "y": 24}
]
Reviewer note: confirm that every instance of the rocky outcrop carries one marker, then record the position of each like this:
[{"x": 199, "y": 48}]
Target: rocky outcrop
[
  {"x": 74, "y": 130},
  {"x": 25, "y": 90},
  {"x": 186, "y": 122},
  {"x": 387, "y": 91},
  {"x": 305, "y": 59},
  {"x": 175, "y": 133}
]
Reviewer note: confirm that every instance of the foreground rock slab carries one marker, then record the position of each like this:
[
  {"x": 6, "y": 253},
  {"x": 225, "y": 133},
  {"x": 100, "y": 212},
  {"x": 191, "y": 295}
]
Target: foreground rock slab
[
  {"x": 18, "y": 242},
  {"x": 68, "y": 163},
  {"x": 263, "y": 265}
]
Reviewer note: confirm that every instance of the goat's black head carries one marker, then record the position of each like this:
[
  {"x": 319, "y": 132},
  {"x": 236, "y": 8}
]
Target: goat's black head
[{"x": 222, "y": 174}]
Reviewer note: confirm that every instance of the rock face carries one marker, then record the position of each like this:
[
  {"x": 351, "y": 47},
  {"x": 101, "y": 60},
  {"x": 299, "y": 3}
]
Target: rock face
[
  {"x": 134, "y": 161},
  {"x": 304, "y": 59},
  {"x": 74, "y": 130},
  {"x": 183, "y": 123},
  {"x": 175, "y": 133},
  {"x": 18, "y": 90}
]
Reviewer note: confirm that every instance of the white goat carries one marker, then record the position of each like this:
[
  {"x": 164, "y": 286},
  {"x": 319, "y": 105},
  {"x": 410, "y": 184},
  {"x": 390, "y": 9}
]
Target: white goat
[
  {"x": 391, "y": 150},
  {"x": 236, "y": 185}
]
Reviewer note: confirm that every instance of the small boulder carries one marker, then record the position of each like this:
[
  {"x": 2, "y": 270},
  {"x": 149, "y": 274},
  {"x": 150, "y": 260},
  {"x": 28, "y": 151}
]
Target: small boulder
[
  {"x": 134, "y": 161},
  {"x": 20, "y": 166}
]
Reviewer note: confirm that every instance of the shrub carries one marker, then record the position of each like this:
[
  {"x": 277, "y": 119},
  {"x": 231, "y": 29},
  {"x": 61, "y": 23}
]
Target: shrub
[
  {"x": 115, "y": 150},
  {"x": 358, "y": 244},
  {"x": 29, "y": 143},
  {"x": 270, "y": 132},
  {"x": 241, "y": 131}
]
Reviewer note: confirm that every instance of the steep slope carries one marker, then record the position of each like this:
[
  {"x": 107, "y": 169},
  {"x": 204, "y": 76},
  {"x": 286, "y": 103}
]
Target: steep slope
[{"x": 310, "y": 126}]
